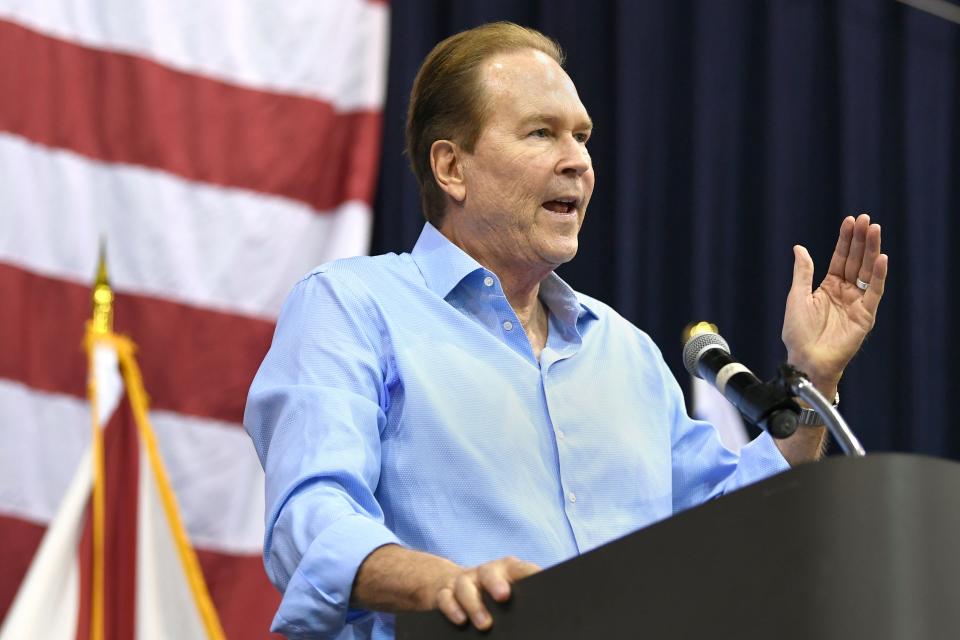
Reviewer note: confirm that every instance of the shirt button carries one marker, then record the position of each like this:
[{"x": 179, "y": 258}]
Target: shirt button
[
  {"x": 572, "y": 496},
  {"x": 508, "y": 325},
  {"x": 560, "y": 434},
  {"x": 569, "y": 307},
  {"x": 488, "y": 281}
]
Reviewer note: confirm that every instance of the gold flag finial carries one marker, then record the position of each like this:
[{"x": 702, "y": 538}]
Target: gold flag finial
[
  {"x": 102, "y": 295},
  {"x": 696, "y": 328}
]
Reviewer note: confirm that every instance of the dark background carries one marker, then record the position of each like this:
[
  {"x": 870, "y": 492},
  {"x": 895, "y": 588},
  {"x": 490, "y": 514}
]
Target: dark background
[{"x": 726, "y": 132}]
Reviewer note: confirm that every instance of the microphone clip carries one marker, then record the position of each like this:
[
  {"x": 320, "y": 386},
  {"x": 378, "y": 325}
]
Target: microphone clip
[{"x": 772, "y": 407}]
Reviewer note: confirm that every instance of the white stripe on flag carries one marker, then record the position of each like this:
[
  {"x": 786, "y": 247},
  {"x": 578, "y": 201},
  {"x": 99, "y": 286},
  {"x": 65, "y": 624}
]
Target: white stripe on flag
[
  {"x": 213, "y": 467},
  {"x": 217, "y": 479},
  {"x": 44, "y": 436},
  {"x": 166, "y": 237},
  {"x": 250, "y": 47}
]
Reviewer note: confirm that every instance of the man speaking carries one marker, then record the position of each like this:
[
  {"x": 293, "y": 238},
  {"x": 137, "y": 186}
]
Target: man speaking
[{"x": 441, "y": 423}]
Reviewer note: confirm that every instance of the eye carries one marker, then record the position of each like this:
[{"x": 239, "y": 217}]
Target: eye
[
  {"x": 581, "y": 137},
  {"x": 540, "y": 133}
]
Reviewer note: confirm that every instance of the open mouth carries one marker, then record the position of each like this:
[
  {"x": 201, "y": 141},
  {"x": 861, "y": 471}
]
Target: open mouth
[{"x": 560, "y": 206}]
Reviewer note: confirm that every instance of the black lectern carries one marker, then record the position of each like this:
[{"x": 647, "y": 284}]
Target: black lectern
[{"x": 845, "y": 548}]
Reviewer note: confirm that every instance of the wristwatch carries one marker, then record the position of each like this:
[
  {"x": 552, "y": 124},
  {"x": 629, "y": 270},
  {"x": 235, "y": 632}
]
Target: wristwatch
[{"x": 810, "y": 418}]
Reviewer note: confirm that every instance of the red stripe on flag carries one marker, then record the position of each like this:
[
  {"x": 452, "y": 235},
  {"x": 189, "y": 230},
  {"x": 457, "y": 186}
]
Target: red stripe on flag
[
  {"x": 117, "y": 107},
  {"x": 244, "y": 598},
  {"x": 20, "y": 542},
  {"x": 241, "y": 592},
  {"x": 194, "y": 361}
]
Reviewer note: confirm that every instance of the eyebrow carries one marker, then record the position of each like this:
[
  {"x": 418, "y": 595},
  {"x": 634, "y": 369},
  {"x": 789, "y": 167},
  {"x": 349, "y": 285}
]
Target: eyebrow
[{"x": 543, "y": 117}]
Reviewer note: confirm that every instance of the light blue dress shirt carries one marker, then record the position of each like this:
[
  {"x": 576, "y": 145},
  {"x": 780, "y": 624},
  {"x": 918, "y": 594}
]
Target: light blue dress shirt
[{"x": 401, "y": 402}]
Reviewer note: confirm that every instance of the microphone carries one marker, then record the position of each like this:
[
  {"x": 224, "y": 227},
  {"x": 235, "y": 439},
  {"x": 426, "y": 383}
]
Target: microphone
[{"x": 768, "y": 406}]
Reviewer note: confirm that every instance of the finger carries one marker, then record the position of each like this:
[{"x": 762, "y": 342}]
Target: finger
[
  {"x": 871, "y": 254},
  {"x": 842, "y": 250},
  {"x": 855, "y": 259},
  {"x": 802, "y": 272},
  {"x": 468, "y": 597},
  {"x": 494, "y": 580},
  {"x": 519, "y": 569},
  {"x": 447, "y": 603},
  {"x": 873, "y": 294}
]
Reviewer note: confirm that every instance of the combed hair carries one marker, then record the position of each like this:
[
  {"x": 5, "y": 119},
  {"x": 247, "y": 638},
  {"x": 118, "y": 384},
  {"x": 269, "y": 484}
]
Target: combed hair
[{"x": 447, "y": 100}]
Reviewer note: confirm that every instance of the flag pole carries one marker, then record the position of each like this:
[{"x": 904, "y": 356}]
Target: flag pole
[
  {"x": 100, "y": 330},
  {"x": 100, "y": 327}
]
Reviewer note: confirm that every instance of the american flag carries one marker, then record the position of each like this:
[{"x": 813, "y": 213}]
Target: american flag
[{"x": 221, "y": 149}]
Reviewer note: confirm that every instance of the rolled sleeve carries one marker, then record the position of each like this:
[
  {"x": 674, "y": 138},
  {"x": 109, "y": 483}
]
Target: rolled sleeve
[
  {"x": 702, "y": 467},
  {"x": 316, "y": 600},
  {"x": 314, "y": 412}
]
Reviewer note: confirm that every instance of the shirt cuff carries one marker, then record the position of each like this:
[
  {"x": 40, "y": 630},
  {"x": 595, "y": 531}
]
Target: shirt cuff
[
  {"x": 316, "y": 599},
  {"x": 759, "y": 459}
]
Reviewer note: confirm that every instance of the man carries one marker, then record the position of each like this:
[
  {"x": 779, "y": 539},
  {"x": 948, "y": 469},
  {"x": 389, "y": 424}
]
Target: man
[{"x": 441, "y": 423}]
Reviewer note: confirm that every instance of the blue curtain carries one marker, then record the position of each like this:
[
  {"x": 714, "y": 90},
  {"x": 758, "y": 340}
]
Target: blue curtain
[{"x": 725, "y": 133}]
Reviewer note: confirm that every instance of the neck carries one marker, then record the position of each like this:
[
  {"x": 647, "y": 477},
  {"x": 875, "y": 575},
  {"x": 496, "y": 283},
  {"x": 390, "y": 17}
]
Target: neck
[
  {"x": 519, "y": 277},
  {"x": 520, "y": 282}
]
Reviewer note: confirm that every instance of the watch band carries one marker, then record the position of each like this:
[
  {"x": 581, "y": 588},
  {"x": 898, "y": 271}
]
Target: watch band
[{"x": 810, "y": 418}]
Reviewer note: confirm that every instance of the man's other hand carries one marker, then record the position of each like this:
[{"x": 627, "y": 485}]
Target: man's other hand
[
  {"x": 460, "y": 596},
  {"x": 396, "y": 579}
]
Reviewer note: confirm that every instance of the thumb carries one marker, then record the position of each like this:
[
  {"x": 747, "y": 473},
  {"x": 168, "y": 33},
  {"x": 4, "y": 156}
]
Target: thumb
[{"x": 802, "y": 272}]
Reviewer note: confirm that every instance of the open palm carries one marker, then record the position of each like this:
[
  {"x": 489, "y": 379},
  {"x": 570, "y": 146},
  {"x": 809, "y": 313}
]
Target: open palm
[{"x": 823, "y": 329}]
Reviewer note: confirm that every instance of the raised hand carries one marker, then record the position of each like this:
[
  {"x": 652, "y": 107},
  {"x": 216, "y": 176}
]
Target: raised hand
[{"x": 823, "y": 329}]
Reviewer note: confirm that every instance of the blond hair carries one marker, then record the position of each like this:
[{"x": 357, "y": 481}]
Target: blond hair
[{"x": 447, "y": 101}]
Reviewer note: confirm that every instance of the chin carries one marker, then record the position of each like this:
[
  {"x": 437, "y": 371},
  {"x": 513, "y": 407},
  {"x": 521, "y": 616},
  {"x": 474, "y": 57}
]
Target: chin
[{"x": 561, "y": 253}]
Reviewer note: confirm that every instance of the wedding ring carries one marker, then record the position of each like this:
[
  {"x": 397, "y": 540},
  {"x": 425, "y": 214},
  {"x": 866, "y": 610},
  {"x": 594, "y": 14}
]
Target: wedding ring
[{"x": 862, "y": 285}]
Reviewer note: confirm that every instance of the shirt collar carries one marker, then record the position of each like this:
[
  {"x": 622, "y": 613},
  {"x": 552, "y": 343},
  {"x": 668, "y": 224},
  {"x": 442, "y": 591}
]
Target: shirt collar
[
  {"x": 562, "y": 300},
  {"x": 444, "y": 265}
]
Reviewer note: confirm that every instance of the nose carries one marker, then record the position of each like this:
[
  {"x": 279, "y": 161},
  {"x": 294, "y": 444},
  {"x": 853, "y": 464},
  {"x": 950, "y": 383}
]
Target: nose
[{"x": 574, "y": 157}]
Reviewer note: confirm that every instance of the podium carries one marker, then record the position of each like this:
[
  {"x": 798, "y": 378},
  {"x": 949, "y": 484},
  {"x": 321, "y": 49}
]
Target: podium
[{"x": 846, "y": 548}]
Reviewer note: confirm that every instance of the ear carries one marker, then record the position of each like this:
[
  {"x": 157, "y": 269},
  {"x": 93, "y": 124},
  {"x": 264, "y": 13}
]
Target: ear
[{"x": 446, "y": 160}]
